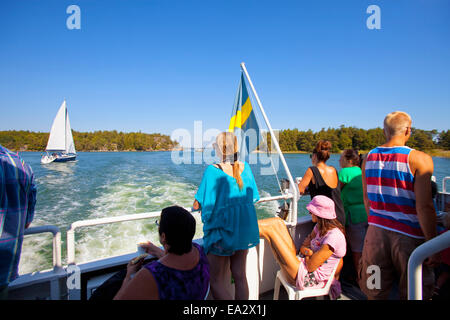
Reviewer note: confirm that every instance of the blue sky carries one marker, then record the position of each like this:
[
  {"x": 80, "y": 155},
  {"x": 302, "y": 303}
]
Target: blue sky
[{"x": 159, "y": 65}]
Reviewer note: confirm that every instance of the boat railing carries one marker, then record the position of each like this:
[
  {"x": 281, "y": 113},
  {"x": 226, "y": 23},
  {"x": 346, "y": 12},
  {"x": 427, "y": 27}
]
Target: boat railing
[
  {"x": 57, "y": 265},
  {"x": 416, "y": 259},
  {"x": 444, "y": 180},
  {"x": 51, "y": 276},
  {"x": 130, "y": 217},
  {"x": 422, "y": 252}
]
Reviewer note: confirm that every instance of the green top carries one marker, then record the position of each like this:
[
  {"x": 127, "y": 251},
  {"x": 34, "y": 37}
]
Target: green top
[{"x": 352, "y": 195}]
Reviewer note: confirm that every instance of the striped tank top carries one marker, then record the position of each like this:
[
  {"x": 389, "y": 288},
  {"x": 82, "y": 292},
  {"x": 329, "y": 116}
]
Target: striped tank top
[{"x": 390, "y": 189}]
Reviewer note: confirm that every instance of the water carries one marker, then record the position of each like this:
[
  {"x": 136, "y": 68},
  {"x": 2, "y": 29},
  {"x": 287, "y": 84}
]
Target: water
[{"x": 102, "y": 184}]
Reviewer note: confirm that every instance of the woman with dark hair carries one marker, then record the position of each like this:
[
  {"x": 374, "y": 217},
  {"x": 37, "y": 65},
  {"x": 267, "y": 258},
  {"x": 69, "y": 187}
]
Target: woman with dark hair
[
  {"x": 226, "y": 197},
  {"x": 320, "y": 252},
  {"x": 182, "y": 271},
  {"x": 350, "y": 180},
  {"x": 321, "y": 179}
]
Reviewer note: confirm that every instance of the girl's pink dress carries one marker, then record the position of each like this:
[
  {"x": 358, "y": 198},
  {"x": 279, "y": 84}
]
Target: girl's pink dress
[{"x": 318, "y": 278}]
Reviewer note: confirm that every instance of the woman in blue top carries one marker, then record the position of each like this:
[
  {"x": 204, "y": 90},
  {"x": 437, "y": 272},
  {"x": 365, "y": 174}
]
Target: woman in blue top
[{"x": 226, "y": 197}]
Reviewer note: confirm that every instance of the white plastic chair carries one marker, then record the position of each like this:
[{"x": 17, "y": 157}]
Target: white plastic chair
[
  {"x": 296, "y": 294},
  {"x": 207, "y": 292}
]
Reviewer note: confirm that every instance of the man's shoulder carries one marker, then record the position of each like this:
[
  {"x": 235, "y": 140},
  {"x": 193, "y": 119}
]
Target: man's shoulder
[
  {"x": 419, "y": 156},
  {"x": 11, "y": 159},
  {"x": 7, "y": 155},
  {"x": 419, "y": 160}
]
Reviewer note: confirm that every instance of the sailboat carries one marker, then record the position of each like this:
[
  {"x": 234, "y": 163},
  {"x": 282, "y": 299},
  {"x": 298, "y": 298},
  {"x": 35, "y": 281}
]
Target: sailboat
[{"x": 60, "y": 145}]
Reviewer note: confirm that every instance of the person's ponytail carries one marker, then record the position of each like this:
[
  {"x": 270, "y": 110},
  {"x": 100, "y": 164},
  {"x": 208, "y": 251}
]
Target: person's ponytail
[
  {"x": 237, "y": 175},
  {"x": 227, "y": 145}
]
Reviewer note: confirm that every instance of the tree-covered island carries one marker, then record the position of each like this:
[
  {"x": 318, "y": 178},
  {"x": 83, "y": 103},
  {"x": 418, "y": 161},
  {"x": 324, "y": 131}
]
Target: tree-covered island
[
  {"x": 291, "y": 140},
  {"x": 90, "y": 141}
]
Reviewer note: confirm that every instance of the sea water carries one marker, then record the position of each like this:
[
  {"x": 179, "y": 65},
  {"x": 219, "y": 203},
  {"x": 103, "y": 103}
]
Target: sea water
[{"x": 108, "y": 184}]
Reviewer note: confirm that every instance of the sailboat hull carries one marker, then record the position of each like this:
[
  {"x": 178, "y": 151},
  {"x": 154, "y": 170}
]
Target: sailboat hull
[{"x": 65, "y": 158}]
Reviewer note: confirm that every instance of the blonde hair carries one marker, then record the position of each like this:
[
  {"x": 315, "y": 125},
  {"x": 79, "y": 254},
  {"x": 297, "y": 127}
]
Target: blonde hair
[
  {"x": 227, "y": 145},
  {"x": 395, "y": 123}
]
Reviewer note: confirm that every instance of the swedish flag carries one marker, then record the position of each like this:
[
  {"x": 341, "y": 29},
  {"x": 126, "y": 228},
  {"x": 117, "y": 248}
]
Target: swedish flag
[{"x": 243, "y": 120}]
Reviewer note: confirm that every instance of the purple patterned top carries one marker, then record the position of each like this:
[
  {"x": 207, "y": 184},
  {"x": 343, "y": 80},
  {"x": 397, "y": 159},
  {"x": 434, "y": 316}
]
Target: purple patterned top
[{"x": 176, "y": 284}]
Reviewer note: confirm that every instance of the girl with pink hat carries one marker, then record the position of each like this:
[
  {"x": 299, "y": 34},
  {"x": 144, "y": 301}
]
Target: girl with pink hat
[{"x": 322, "y": 249}]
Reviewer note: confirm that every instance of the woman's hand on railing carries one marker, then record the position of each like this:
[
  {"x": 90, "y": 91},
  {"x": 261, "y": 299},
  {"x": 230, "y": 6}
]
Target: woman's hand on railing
[
  {"x": 150, "y": 248},
  {"x": 196, "y": 206}
]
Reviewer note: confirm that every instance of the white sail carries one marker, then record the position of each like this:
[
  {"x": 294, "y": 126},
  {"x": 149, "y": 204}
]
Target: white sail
[
  {"x": 57, "y": 138},
  {"x": 61, "y": 133},
  {"x": 70, "y": 146}
]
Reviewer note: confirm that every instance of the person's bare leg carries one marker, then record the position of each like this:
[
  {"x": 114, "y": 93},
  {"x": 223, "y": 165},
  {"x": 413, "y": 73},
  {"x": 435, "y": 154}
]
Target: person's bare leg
[
  {"x": 238, "y": 267},
  {"x": 275, "y": 232},
  {"x": 218, "y": 266}
]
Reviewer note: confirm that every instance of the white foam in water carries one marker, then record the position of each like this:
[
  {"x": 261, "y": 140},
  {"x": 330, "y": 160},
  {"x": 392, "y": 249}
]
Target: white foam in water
[
  {"x": 269, "y": 208},
  {"x": 152, "y": 194},
  {"x": 121, "y": 238},
  {"x": 34, "y": 251},
  {"x": 121, "y": 194}
]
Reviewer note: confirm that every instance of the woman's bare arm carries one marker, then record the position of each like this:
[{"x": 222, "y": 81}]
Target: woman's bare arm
[
  {"x": 305, "y": 181},
  {"x": 142, "y": 287}
]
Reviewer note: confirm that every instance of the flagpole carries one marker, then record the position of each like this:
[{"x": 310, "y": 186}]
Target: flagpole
[{"x": 293, "y": 218}]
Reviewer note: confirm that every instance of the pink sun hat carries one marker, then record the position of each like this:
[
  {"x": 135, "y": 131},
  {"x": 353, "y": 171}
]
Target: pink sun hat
[{"x": 322, "y": 207}]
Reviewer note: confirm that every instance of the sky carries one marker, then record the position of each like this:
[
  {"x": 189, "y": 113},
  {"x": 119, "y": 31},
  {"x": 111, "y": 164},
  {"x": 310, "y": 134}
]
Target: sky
[{"x": 159, "y": 65}]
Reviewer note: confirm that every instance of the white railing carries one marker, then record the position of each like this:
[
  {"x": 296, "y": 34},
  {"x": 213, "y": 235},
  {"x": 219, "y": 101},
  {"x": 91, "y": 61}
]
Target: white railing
[
  {"x": 416, "y": 259},
  {"x": 443, "y": 184},
  {"x": 56, "y": 242},
  {"x": 130, "y": 217}
]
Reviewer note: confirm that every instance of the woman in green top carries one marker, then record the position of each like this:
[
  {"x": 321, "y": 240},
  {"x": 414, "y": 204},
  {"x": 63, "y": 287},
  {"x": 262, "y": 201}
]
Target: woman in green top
[{"x": 350, "y": 180}]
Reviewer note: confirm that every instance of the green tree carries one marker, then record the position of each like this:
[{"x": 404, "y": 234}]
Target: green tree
[
  {"x": 421, "y": 139},
  {"x": 444, "y": 140}
]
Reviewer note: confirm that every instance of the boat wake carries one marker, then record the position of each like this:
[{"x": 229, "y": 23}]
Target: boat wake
[{"x": 122, "y": 194}]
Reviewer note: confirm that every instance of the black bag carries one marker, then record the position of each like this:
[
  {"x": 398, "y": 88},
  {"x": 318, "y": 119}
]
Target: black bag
[{"x": 108, "y": 289}]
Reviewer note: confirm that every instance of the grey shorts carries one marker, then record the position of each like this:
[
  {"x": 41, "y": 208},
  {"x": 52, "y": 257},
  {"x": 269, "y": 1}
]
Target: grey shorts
[
  {"x": 355, "y": 234},
  {"x": 390, "y": 252}
]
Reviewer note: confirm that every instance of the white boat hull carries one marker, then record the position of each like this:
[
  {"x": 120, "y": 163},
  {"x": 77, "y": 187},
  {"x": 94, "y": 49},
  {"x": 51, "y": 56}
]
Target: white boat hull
[{"x": 47, "y": 159}]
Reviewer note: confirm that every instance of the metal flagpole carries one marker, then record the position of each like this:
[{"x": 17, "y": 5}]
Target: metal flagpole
[{"x": 293, "y": 218}]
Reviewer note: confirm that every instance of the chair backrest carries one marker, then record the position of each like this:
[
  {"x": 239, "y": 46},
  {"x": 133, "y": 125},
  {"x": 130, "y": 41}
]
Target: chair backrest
[
  {"x": 331, "y": 278},
  {"x": 207, "y": 291}
]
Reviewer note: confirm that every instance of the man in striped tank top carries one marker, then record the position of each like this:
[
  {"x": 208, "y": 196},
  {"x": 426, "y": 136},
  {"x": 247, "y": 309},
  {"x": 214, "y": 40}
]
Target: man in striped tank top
[{"x": 401, "y": 215}]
